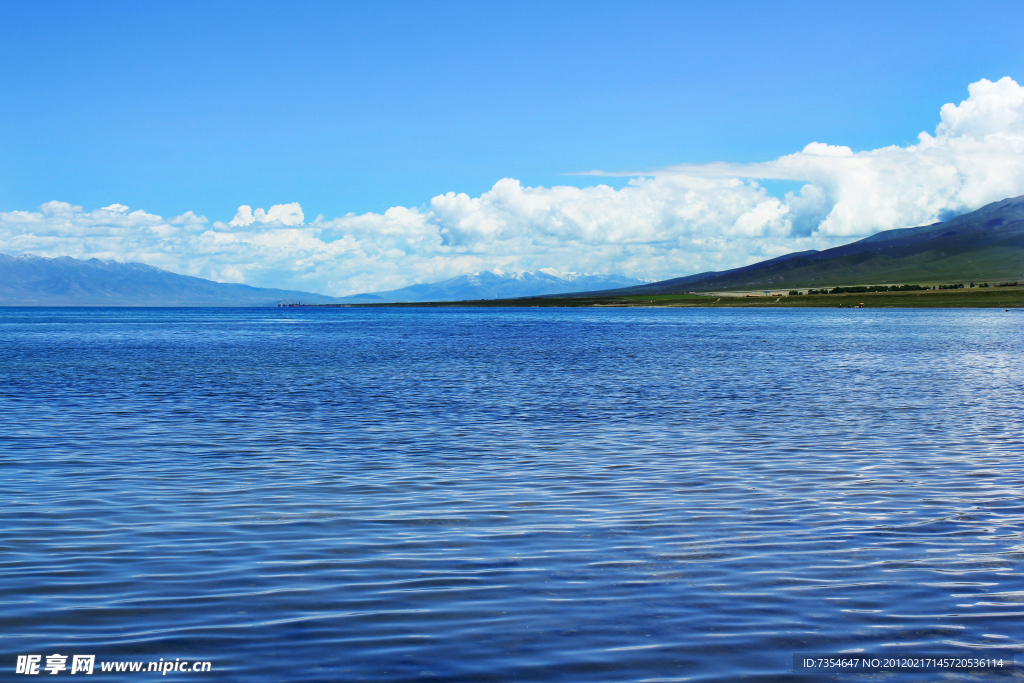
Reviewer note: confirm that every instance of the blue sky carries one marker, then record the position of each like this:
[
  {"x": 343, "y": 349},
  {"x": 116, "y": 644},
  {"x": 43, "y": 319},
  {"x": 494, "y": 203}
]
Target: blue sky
[
  {"x": 362, "y": 106},
  {"x": 354, "y": 108}
]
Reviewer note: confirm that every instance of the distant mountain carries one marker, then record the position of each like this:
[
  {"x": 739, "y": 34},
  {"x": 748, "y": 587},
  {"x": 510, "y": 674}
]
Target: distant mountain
[
  {"x": 497, "y": 285},
  {"x": 37, "y": 281},
  {"x": 984, "y": 245}
]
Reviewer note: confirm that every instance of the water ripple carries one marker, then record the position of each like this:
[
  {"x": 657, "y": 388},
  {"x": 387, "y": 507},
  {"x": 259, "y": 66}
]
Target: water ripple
[{"x": 508, "y": 495}]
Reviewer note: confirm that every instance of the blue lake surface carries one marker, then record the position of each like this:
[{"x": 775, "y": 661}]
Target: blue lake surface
[{"x": 510, "y": 494}]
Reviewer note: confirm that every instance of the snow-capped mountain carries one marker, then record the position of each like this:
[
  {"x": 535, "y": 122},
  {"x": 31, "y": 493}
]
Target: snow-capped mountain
[{"x": 494, "y": 284}]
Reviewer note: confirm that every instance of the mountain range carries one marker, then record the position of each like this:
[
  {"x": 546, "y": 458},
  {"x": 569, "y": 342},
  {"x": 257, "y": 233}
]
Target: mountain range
[
  {"x": 494, "y": 284},
  {"x": 983, "y": 245},
  {"x": 38, "y": 281}
]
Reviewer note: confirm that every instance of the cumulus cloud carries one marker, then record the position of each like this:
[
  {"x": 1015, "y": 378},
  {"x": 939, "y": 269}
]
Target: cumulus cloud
[
  {"x": 59, "y": 208},
  {"x": 976, "y": 156},
  {"x": 663, "y": 223},
  {"x": 285, "y": 214}
]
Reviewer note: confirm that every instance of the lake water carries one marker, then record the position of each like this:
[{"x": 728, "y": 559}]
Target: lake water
[{"x": 510, "y": 495}]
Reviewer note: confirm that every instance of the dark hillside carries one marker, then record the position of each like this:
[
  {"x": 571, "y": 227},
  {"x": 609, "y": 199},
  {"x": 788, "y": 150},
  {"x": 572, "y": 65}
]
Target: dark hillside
[{"x": 987, "y": 244}]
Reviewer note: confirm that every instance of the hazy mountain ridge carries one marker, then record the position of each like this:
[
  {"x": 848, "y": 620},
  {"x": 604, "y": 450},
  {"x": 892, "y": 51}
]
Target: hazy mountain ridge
[
  {"x": 491, "y": 284},
  {"x": 65, "y": 281}
]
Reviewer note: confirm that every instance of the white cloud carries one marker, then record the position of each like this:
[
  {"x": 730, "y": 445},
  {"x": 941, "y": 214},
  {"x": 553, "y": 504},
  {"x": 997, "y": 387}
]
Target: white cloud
[
  {"x": 285, "y": 214},
  {"x": 59, "y": 208},
  {"x": 243, "y": 217},
  {"x": 663, "y": 223},
  {"x": 976, "y": 156},
  {"x": 188, "y": 218}
]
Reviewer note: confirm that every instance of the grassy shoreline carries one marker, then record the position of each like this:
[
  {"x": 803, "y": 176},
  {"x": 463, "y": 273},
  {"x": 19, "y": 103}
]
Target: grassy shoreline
[{"x": 993, "y": 297}]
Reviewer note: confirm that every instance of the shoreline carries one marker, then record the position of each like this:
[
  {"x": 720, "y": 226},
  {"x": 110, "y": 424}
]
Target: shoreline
[{"x": 991, "y": 297}]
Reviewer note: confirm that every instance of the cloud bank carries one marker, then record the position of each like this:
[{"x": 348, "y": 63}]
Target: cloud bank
[{"x": 663, "y": 223}]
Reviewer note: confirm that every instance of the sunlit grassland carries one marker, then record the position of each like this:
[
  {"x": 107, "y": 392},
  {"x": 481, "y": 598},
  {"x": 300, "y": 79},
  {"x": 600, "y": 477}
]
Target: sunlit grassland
[{"x": 992, "y": 297}]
